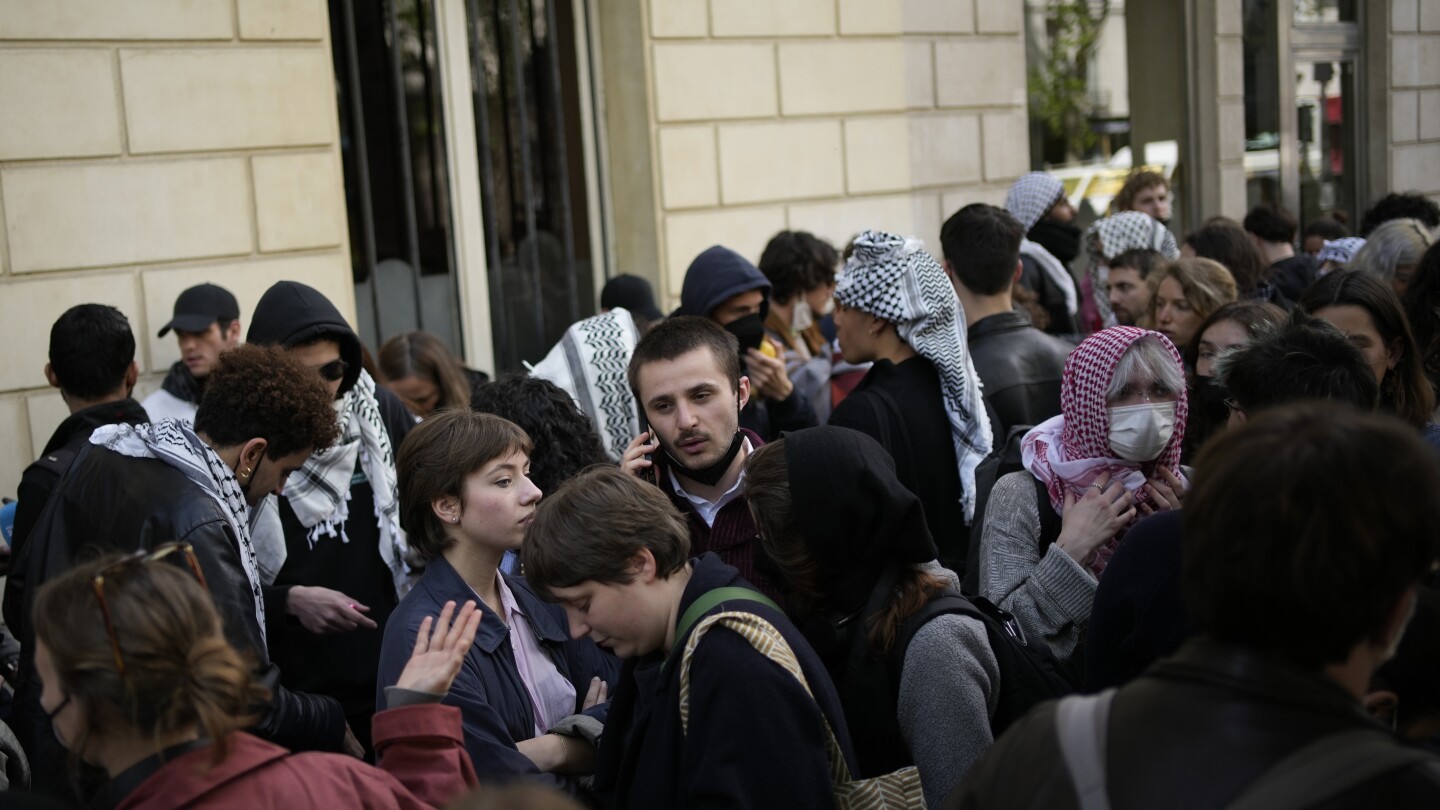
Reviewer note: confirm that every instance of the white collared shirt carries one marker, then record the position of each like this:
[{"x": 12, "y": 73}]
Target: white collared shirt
[{"x": 709, "y": 510}]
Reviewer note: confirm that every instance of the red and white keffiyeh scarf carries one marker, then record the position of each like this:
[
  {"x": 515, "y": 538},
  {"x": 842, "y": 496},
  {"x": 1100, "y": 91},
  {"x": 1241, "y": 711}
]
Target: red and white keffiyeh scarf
[{"x": 1072, "y": 450}]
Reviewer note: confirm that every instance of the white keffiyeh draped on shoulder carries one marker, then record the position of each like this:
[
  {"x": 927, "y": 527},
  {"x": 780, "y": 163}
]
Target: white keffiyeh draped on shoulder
[
  {"x": 176, "y": 444},
  {"x": 319, "y": 491},
  {"x": 1028, "y": 200},
  {"x": 590, "y": 364},
  {"x": 892, "y": 277},
  {"x": 1113, "y": 235}
]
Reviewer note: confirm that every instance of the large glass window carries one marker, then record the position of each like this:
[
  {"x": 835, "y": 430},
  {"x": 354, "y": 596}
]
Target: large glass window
[
  {"x": 527, "y": 122},
  {"x": 393, "y": 150}
]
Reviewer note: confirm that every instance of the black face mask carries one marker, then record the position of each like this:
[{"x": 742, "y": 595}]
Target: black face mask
[
  {"x": 1062, "y": 239},
  {"x": 711, "y": 475},
  {"x": 749, "y": 330}
]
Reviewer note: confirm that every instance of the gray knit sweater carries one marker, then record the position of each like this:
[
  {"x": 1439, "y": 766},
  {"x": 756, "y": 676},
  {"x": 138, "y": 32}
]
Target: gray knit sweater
[
  {"x": 948, "y": 691},
  {"x": 1049, "y": 594}
]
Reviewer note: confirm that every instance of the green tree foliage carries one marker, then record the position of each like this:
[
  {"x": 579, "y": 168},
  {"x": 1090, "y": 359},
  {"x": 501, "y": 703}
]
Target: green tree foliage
[{"x": 1058, "y": 87}]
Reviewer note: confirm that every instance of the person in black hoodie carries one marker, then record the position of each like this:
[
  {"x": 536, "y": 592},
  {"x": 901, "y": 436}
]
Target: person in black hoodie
[
  {"x": 728, "y": 289},
  {"x": 1273, "y": 229},
  {"x": 330, "y": 547}
]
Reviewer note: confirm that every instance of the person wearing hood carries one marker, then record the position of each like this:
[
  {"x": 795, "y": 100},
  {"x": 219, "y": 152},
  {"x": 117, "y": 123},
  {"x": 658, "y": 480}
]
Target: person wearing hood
[
  {"x": 330, "y": 547},
  {"x": 206, "y": 321},
  {"x": 852, "y": 544},
  {"x": 921, "y": 398},
  {"x": 1111, "y": 457},
  {"x": 1052, "y": 241},
  {"x": 728, "y": 289}
]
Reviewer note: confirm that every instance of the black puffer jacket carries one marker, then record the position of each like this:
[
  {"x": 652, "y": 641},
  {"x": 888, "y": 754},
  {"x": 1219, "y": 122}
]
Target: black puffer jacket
[{"x": 111, "y": 502}]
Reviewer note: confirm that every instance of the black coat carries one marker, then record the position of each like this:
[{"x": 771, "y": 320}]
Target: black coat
[
  {"x": 113, "y": 502},
  {"x": 756, "y": 738},
  {"x": 919, "y": 439},
  {"x": 1191, "y": 734},
  {"x": 1020, "y": 369}
]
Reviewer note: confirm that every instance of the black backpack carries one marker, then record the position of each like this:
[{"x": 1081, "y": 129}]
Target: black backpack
[
  {"x": 1029, "y": 673},
  {"x": 1002, "y": 461}
]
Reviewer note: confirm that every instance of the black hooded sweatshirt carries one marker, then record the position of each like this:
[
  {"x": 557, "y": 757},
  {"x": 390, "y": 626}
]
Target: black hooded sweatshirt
[{"x": 342, "y": 665}]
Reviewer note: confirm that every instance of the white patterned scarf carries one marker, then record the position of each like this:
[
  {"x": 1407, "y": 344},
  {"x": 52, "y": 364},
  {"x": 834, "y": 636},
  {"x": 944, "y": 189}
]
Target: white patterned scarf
[
  {"x": 590, "y": 363},
  {"x": 892, "y": 277},
  {"x": 1113, "y": 235},
  {"x": 176, "y": 444},
  {"x": 1029, "y": 199},
  {"x": 319, "y": 491}
]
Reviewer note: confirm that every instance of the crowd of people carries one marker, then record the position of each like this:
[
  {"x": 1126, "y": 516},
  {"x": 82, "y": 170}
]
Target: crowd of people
[{"x": 1052, "y": 516}]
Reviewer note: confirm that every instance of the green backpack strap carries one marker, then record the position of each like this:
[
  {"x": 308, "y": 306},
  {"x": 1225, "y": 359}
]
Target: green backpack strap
[{"x": 709, "y": 601}]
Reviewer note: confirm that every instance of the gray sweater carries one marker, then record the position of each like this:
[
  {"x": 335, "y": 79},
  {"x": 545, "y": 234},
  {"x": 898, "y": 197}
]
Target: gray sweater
[
  {"x": 948, "y": 690},
  {"x": 1050, "y": 594}
]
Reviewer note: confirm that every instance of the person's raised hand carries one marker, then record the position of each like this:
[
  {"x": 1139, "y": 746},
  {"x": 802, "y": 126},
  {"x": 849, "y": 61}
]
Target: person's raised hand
[
  {"x": 440, "y": 649},
  {"x": 322, "y": 610},
  {"x": 767, "y": 375},
  {"x": 1089, "y": 521}
]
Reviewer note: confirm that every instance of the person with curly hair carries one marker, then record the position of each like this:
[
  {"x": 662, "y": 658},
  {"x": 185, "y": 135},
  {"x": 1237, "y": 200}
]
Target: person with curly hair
[
  {"x": 133, "y": 487},
  {"x": 564, "y": 437}
]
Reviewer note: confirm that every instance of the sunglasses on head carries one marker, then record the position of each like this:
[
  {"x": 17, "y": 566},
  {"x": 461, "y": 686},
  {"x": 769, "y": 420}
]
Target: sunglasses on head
[
  {"x": 140, "y": 557},
  {"x": 333, "y": 370}
]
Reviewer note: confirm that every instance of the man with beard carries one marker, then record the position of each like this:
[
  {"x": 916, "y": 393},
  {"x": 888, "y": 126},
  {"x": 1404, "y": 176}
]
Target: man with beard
[
  {"x": 728, "y": 289},
  {"x": 1052, "y": 241},
  {"x": 687, "y": 379}
]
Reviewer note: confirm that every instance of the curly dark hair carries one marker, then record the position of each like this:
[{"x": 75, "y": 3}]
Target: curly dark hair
[
  {"x": 1400, "y": 206},
  {"x": 795, "y": 262},
  {"x": 565, "y": 440},
  {"x": 261, "y": 392}
]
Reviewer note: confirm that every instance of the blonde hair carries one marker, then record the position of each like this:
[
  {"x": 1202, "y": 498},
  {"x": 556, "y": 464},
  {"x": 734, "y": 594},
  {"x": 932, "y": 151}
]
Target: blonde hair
[{"x": 1205, "y": 283}]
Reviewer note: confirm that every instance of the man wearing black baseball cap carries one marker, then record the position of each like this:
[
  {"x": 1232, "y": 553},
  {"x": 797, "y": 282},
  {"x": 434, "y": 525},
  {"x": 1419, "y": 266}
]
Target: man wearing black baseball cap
[{"x": 206, "y": 321}]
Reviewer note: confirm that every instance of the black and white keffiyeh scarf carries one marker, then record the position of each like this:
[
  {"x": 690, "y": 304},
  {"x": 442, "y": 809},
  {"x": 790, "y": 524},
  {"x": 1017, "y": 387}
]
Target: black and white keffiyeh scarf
[
  {"x": 1113, "y": 235},
  {"x": 1028, "y": 200},
  {"x": 176, "y": 444},
  {"x": 590, "y": 364},
  {"x": 892, "y": 277},
  {"x": 319, "y": 491}
]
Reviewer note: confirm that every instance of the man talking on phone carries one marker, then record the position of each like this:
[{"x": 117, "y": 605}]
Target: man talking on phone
[{"x": 691, "y": 389}]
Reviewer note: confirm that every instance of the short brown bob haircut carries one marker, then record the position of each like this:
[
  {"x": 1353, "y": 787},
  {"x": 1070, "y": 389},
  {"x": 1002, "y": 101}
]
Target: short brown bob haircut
[
  {"x": 595, "y": 525},
  {"x": 436, "y": 458},
  {"x": 672, "y": 338},
  {"x": 1304, "y": 528}
]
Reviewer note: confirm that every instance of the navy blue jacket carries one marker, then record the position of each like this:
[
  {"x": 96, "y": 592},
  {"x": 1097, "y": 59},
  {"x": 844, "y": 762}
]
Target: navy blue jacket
[
  {"x": 494, "y": 704},
  {"x": 756, "y": 739}
]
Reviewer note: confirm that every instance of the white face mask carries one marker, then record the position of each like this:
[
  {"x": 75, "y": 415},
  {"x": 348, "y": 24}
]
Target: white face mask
[
  {"x": 829, "y": 307},
  {"x": 1139, "y": 432},
  {"x": 800, "y": 316}
]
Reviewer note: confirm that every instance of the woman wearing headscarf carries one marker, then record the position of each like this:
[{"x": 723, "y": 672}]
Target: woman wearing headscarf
[
  {"x": 1110, "y": 457},
  {"x": 1108, "y": 238},
  {"x": 851, "y": 544},
  {"x": 1038, "y": 201},
  {"x": 921, "y": 399}
]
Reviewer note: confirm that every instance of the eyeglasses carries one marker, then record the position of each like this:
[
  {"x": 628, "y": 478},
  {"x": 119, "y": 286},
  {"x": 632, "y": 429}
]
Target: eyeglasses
[
  {"x": 1232, "y": 404},
  {"x": 158, "y": 553},
  {"x": 333, "y": 370}
]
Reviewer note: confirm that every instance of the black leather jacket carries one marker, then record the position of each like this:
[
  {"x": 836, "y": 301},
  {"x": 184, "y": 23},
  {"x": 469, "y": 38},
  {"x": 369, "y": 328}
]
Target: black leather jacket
[
  {"x": 1020, "y": 368},
  {"x": 114, "y": 502},
  {"x": 1193, "y": 732}
]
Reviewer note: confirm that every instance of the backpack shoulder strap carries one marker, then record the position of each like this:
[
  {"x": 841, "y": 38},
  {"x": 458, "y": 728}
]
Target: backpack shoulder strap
[
  {"x": 709, "y": 601},
  {"x": 1328, "y": 767},
  {"x": 1082, "y": 724},
  {"x": 1049, "y": 518}
]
